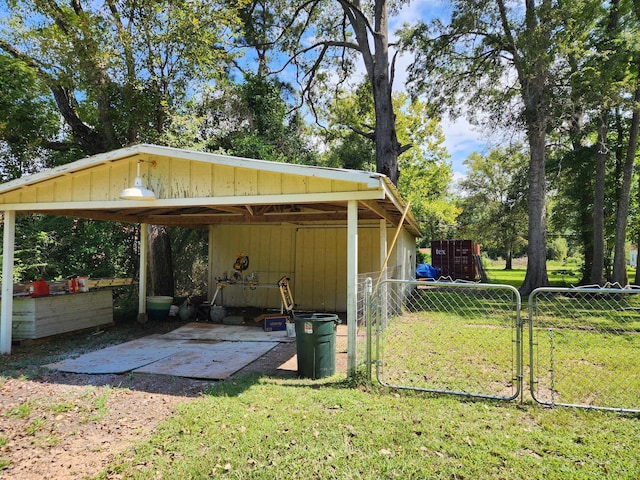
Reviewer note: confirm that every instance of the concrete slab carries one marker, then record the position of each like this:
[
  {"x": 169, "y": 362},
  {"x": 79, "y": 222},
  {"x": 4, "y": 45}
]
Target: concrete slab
[
  {"x": 233, "y": 320},
  {"x": 121, "y": 358},
  {"x": 205, "y": 360}
]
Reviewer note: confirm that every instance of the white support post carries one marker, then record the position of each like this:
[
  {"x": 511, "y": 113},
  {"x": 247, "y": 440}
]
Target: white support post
[
  {"x": 142, "y": 286},
  {"x": 6, "y": 311},
  {"x": 383, "y": 275},
  {"x": 352, "y": 285}
]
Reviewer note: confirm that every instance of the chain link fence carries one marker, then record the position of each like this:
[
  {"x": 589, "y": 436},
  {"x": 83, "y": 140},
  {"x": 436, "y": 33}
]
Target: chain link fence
[
  {"x": 459, "y": 338},
  {"x": 364, "y": 332},
  {"x": 585, "y": 347},
  {"x": 468, "y": 339}
]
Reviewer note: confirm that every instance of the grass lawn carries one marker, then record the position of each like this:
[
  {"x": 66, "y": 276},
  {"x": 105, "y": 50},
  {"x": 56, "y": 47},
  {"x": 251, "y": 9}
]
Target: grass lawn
[
  {"x": 273, "y": 429},
  {"x": 560, "y": 275},
  {"x": 266, "y": 428}
]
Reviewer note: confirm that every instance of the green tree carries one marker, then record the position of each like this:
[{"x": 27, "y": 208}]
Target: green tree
[
  {"x": 119, "y": 72},
  {"x": 426, "y": 171},
  {"x": 28, "y": 119},
  {"x": 489, "y": 55},
  {"x": 253, "y": 119},
  {"x": 592, "y": 175},
  {"x": 495, "y": 200},
  {"x": 624, "y": 197},
  {"x": 342, "y": 30}
]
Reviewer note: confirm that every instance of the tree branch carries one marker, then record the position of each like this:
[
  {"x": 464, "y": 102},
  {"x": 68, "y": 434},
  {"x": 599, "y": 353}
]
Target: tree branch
[
  {"x": 370, "y": 135},
  {"x": 326, "y": 44}
]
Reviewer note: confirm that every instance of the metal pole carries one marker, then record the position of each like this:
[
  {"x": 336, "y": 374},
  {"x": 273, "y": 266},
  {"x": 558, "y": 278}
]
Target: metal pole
[{"x": 367, "y": 305}]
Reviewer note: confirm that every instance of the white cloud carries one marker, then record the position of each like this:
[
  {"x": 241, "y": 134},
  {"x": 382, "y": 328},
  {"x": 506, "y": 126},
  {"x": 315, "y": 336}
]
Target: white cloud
[{"x": 462, "y": 139}]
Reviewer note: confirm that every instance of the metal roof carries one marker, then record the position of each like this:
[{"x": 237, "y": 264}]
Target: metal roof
[{"x": 239, "y": 190}]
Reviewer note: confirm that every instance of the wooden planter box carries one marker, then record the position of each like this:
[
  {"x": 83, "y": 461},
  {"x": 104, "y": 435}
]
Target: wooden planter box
[{"x": 37, "y": 317}]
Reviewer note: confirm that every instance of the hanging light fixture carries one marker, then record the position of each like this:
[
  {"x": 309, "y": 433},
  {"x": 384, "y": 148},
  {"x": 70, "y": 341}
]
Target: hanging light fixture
[{"x": 137, "y": 192}]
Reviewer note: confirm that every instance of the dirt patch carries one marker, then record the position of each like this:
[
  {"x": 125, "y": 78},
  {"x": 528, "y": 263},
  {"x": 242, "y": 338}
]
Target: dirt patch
[{"x": 70, "y": 426}]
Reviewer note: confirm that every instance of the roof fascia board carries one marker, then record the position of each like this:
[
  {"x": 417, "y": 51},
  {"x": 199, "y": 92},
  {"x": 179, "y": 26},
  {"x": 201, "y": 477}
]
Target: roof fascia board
[
  {"x": 205, "y": 201},
  {"x": 372, "y": 180}
]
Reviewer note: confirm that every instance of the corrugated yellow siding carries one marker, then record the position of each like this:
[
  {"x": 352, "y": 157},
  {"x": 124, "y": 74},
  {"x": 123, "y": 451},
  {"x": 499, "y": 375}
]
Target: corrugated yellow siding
[
  {"x": 172, "y": 178},
  {"x": 314, "y": 258},
  {"x": 271, "y": 256}
]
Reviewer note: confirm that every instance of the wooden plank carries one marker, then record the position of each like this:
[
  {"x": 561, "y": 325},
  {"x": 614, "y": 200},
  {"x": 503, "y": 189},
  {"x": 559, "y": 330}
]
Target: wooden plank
[
  {"x": 303, "y": 280},
  {"x": 292, "y": 184},
  {"x": 100, "y": 183},
  {"x": 223, "y": 181},
  {"x": 318, "y": 185},
  {"x": 81, "y": 191},
  {"x": 207, "y": 360},
  {"x": 180, "y": 179},
  {"x": 332, "y": 267},
  {"x": 201, "y": 179},
  {"x": 269, "y": 183},
  {"x": 63, "y": 187},
  {"x": 121, "y": 358},
  {"x": 121, "y": 176},
  {"x": 246, "y": 182},
  {"x": 37, "y": 317},
  {"x": 234, "y": 333}
]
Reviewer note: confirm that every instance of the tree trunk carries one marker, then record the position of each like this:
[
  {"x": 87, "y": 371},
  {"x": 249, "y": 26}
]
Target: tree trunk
[
  {"x": 387, "y": 146},
  {"x": 379, "y": 73},
  {"x": 586, "y": 235},
  {"x": 637, "y": 277},
  {"x": 536, "y": 275},
  {"x": 160, "y": 262},
  {"x": 620, "y": 257},
  {"x": 508, "y": 253},
  {"x": 597, "y": 265},
  {"x": 533, "y": 70}
]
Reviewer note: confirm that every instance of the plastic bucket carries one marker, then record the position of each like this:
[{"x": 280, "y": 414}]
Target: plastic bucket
[
  {"x": 217, "y": 313},
  {"x": 158, "y": 307},
  {"x": 316, "y": 344}
]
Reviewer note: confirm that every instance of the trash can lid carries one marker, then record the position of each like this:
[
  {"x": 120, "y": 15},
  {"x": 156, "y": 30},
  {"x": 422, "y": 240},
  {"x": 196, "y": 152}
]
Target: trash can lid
[{"x": 328, "y": 317}]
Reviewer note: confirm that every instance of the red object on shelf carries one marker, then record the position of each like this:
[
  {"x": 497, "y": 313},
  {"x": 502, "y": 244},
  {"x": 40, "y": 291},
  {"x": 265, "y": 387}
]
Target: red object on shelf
[{"x": 39, "y": 288}]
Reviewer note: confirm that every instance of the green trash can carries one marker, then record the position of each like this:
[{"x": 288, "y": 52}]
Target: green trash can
[{"x": 316, "y": 344}]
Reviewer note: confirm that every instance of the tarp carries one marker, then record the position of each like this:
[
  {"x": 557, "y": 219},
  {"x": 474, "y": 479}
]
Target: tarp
[{"x": 424, "y": 270}]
